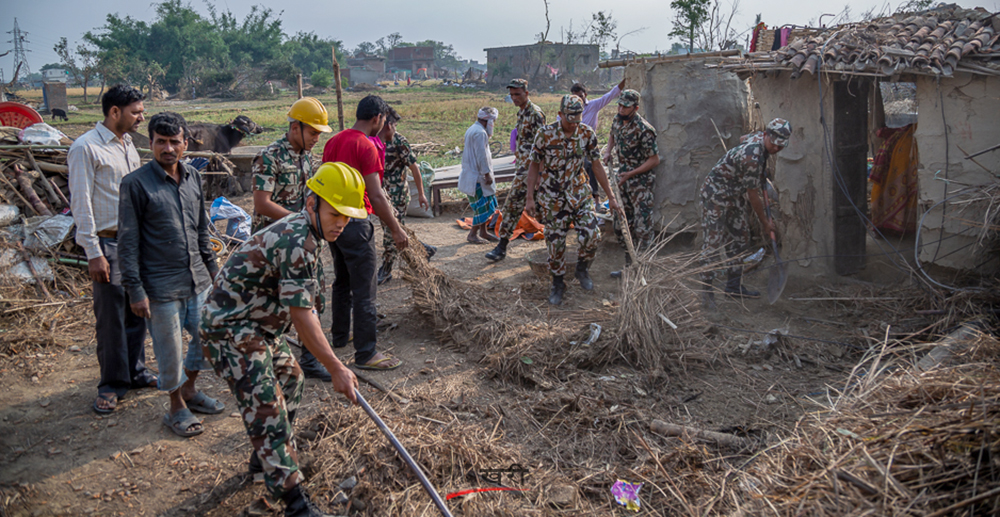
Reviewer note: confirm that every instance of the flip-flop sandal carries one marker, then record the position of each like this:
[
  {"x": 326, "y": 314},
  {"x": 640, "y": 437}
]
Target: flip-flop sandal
[
  {"x": 201, "y": 403},
  {"x": 113, "y": 403},
  {"x": 180, "y": 421},
  {"x": 377, "y": 365}
]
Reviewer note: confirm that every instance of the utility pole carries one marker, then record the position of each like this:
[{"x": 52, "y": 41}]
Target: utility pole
[{"x": 20, "y": 54}]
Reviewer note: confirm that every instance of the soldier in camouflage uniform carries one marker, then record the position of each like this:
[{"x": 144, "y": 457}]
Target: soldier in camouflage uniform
[
  {"x": 280, "y": 172},
  {"x": 633, "y": 140},
  {"x": 735, "y": 182},
  {"x": 272, "y": 282},
  {"x": 398, "y": 158},
  {"x": 563, "y": 193},
  {"x": 530, "y": 120}
]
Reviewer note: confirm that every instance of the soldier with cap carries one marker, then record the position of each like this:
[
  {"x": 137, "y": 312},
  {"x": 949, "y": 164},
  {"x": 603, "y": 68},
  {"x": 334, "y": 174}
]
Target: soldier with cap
[
  {"x": 280, "y": 172},
  {"x": 564, "y": 198},
  {"x": 530, "y": 120},
  {"x": 736, "y": 180},
  {"x": 272, "y": 283},
  {"x": 633, "y": 140}
]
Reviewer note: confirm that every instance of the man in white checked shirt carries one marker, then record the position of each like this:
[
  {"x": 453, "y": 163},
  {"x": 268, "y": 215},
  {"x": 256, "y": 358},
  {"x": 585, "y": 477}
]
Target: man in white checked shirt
[{"x": 98, "y": 161}]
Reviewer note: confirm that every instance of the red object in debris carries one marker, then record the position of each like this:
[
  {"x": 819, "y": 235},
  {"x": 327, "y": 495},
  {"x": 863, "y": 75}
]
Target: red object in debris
[{"x": 15, "y": 114}]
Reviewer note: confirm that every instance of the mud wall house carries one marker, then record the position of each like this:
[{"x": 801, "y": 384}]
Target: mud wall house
[
  {"x": 373, "y": 63},
  {"x": 411, "y": 59},
  {"x": 525, "y": 61},
  {"x": 825, "y": 82},
  {"x": 685, "y": 102}
]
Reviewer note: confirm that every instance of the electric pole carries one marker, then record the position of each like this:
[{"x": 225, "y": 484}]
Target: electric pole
[{"x": 20, "y": 54}]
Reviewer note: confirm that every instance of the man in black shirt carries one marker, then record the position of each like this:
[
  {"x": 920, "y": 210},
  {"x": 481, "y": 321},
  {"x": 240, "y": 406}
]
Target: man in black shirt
[{"x": 168, "y": 264}]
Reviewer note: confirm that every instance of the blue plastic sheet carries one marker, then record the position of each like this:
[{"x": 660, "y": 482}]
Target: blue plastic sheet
[{"x": 239, "y": 221}]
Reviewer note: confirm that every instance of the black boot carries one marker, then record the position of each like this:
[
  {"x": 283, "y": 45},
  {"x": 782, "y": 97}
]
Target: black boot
[
  {"x": 431, "y": 250},
  {"x": 583, "y": 276},
  {"x": 498, "y": 252},
  {"x": 312, "y": 368},
  {"x": 384, "y": 273},
  {"x": 628, "y": 262},
  {"x": 297, "y": 504},
  {"x": 736, "y": 289},
  {"x": 255, "y": 467},
  {"x": 558, "y": 289}
]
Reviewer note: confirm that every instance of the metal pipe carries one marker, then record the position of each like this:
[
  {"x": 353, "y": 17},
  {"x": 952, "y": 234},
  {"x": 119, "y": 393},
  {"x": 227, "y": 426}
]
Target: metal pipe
[{"x": 406, "y": 456}]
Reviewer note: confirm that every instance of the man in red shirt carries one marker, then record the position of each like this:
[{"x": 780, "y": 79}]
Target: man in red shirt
[{"x": 354, "y": 256}]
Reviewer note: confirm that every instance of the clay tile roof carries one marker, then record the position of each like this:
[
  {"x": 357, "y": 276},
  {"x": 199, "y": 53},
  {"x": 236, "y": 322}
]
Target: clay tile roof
[{"x": 937, "y": 42}]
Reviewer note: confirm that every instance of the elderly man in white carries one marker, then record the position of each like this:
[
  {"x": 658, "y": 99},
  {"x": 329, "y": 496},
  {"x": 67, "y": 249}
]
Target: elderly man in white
[{"x": 476, "y": 178}]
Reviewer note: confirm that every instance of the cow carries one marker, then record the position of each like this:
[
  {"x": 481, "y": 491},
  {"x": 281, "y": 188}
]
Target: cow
[
  {"x": 58, "y": 113},
  {"x": 221, "y": 138}
]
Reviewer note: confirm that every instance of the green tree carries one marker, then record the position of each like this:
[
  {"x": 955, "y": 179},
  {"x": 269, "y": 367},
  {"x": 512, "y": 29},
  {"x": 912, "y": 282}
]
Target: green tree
[
  {"x": 82, "y": 66},
  {"x": 602, "y": 29},
  {"x": 308, "y": 52},
  {"x": 691, "y": 14},
  {"x": 321, "y": 79}
]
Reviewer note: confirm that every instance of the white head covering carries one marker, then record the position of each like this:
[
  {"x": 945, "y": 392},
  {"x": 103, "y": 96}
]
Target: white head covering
[{"x": 489, "y": 115}]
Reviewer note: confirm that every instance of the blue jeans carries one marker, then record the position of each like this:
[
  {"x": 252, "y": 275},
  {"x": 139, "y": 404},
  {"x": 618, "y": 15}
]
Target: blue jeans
[{"x": 165, "y": 323}]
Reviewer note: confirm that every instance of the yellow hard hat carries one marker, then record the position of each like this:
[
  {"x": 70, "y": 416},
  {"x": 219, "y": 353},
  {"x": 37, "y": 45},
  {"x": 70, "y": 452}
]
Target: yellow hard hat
[
  {"x": 310, "y": 110},
  {"x": 342, "y": 186}
]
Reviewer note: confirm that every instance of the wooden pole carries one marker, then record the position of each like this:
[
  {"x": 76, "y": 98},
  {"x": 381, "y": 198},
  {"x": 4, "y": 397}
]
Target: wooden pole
[
  {"x": 300, "y": 85},
  {"x": 340, "y": 90}
]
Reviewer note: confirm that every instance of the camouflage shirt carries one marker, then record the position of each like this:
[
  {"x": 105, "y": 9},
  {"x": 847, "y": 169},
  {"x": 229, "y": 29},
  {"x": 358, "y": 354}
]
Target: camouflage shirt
[
  {"x": 398, "y": 158},
  {"x": 277, "y": 268},
  {"x": 635, "y": 141},
  {"x": 562, "y": 178},
  {"x": 530, "y": 120},
  {"x": 282, "y": 172},
  {"x": 740, "y": 169}
]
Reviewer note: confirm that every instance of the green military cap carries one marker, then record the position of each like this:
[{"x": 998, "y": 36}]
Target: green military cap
[
  {"x": 628, "y": 98},
  {"x": 572, "y": 107},
  {"x": 518, "y": 83},
  {"x": 780, "y": 131}
]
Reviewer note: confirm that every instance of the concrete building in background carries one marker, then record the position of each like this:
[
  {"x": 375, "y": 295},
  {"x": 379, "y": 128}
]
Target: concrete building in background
[
  {"x": 525, "y": 61},
  {"x": 412, "y": 59},
  {"x": 55, "y": 75}
]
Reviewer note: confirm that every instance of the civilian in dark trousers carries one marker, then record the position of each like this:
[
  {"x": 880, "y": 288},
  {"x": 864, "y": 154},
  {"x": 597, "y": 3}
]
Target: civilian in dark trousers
[
  {"x": 98, "y": 161},
  {"x": 354, "y": 262}
]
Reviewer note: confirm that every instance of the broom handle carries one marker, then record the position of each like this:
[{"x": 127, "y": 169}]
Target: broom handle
[
  {"x": 621, "y": 213},
  {"x": 406, "y": 456}
]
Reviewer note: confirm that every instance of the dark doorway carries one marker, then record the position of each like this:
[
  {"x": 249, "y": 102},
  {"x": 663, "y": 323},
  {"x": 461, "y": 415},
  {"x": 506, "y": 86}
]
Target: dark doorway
[{"x": 850, "y": 177}]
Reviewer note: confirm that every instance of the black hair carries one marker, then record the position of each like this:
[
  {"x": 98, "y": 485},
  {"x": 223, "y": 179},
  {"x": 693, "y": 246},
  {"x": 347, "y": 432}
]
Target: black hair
[
  {"x": 371, "y": 107},
  {"x": 391, "y": 116},
  {"x": 167, "y": 123},
  {"x": 120, "y": 95},
  {"x": 577, "y": 88}
]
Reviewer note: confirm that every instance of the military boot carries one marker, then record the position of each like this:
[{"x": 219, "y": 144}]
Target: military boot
[
  {"x": 384, "y": 273},
  {"x": 255, "y": 466},
  {"x": 583, "y": 276},
  {"x": 558, "y": 289},
  {"x": 431, "y": 250},
  {"x": 500, "y": 251},
  {"x": 736, "y": 289},
  {"x": 312, "y": 368},
  {"x": 297, "y": 504},
  {"x": 628, "y": 262}
]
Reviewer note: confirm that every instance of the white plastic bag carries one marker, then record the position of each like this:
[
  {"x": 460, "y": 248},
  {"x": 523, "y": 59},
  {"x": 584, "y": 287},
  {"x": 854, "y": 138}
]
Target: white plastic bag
[
  {"x": 46, "y": 232},
  {"x": 40, "y": 134}
]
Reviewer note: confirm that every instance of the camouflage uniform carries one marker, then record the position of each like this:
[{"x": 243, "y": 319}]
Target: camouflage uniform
[
  {"x": 635, "y": 142},
  {"x": 282, "y": 172},
  {"x": 530, "y": 120},
  {"x": 398, "y": 158},
  {"x": 724, "y": 205},
  {"x": 564, "y": 197},
  {"x": 242, "y": 324}
]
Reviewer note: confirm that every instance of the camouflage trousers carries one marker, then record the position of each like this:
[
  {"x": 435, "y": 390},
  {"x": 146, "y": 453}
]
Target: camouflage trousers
[
  {"x": 637, "y": 202},
  {"x": 725, "y": 228},
  {"x": 514, "y": 204},
  {"x": 389, "y": 251},
  {"x": 558, "y": 224},
  {"x": 267, "y": 383}
]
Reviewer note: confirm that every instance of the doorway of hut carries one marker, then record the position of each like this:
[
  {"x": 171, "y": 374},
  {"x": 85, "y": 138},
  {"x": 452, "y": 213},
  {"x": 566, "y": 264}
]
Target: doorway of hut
[{"x": 875, "y": 181}]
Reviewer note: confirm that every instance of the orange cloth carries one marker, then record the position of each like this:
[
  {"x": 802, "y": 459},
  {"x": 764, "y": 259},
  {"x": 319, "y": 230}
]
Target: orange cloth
[
  {"x": 527, "y": 227},
  {"x": 894, "y": 192}
]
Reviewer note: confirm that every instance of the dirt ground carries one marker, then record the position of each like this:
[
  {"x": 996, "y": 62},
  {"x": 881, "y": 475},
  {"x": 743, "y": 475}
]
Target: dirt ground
[{"x": 60, "y": 458}]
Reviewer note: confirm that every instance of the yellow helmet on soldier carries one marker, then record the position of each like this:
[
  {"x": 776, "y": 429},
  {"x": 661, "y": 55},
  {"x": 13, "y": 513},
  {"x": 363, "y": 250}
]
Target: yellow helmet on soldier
[
  {"x": 342, "y": 187},
  {"x": 310, "y": 110}
]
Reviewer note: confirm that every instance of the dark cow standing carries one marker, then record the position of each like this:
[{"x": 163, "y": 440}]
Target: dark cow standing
[{"x": 221, "y": 138}]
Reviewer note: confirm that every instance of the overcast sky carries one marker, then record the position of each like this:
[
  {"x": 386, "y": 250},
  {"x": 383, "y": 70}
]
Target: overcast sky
[{"x": 470, "y": 26}]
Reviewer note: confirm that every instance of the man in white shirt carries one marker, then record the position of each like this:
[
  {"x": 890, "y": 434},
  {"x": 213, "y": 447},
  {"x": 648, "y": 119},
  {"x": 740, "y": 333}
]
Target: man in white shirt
[
  {"x": 98, "y": 161},
  {"x": 476, "y": 178},
  {"x": 591, "y": 109}
]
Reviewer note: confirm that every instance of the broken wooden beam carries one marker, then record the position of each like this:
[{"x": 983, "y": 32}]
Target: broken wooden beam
[{"x": 661, "y": 427}]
